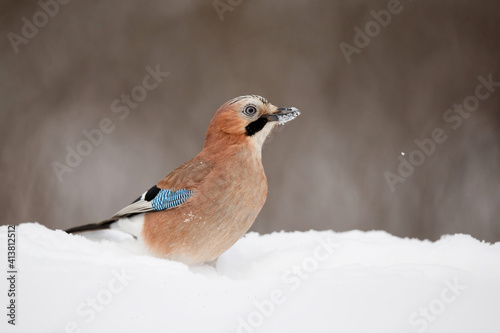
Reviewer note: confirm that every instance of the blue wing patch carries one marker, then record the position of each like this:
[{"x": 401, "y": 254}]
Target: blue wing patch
[
  {"x": 166, "y": 199},
  {"x": 155, "y": 199}
]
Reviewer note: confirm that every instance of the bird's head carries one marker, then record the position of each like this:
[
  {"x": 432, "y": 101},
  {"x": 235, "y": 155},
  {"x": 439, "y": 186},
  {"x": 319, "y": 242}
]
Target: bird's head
[{"x": 248, "y": 118}]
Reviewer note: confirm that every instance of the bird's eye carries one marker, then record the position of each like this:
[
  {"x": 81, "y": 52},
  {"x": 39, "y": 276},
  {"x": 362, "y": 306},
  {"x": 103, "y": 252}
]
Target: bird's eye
[{"x": 250, "y": 110}]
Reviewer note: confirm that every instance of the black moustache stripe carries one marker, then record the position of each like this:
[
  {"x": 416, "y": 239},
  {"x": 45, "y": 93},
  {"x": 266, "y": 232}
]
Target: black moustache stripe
[{"x": 256, "y": 126}]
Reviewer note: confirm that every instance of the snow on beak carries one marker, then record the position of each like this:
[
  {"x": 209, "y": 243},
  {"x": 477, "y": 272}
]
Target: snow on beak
[{"x": 284, "y": 115}]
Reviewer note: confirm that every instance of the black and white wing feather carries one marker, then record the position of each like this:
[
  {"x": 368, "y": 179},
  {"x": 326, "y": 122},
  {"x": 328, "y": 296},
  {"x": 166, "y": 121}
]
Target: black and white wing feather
[
  {"x": 143, "y": 204},
  {"x": 153, "y": 200}
]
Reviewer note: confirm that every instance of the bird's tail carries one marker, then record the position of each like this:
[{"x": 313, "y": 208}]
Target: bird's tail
[{"x": 91, "y": 227}]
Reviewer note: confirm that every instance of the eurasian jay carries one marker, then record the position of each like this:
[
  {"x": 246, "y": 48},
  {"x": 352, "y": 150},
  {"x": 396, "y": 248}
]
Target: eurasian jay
[{"x": 203, "y": 207}]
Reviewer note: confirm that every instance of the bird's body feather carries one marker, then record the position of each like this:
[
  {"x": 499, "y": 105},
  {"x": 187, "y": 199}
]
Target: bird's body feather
[{"x": 228, "y": 199}]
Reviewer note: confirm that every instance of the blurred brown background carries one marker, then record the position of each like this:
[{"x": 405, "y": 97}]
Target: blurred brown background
[{"x": 325, "y": 169}]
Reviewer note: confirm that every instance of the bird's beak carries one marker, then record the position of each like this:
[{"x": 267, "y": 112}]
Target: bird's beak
[{"x": 283, "y": 115}]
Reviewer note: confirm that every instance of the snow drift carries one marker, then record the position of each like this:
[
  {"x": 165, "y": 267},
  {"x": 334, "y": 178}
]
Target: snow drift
[{"x": 316, "y": 281}]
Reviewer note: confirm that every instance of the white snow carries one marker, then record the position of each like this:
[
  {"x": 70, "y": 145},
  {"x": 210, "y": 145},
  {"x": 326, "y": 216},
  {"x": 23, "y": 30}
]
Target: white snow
[
  {"x": 316, "y": 281},
  {"x": 285, "y": 118}
]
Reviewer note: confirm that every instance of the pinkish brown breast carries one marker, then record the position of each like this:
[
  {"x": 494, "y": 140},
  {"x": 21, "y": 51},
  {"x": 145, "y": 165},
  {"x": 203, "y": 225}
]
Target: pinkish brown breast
[{"x": 226, "y": 202}]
